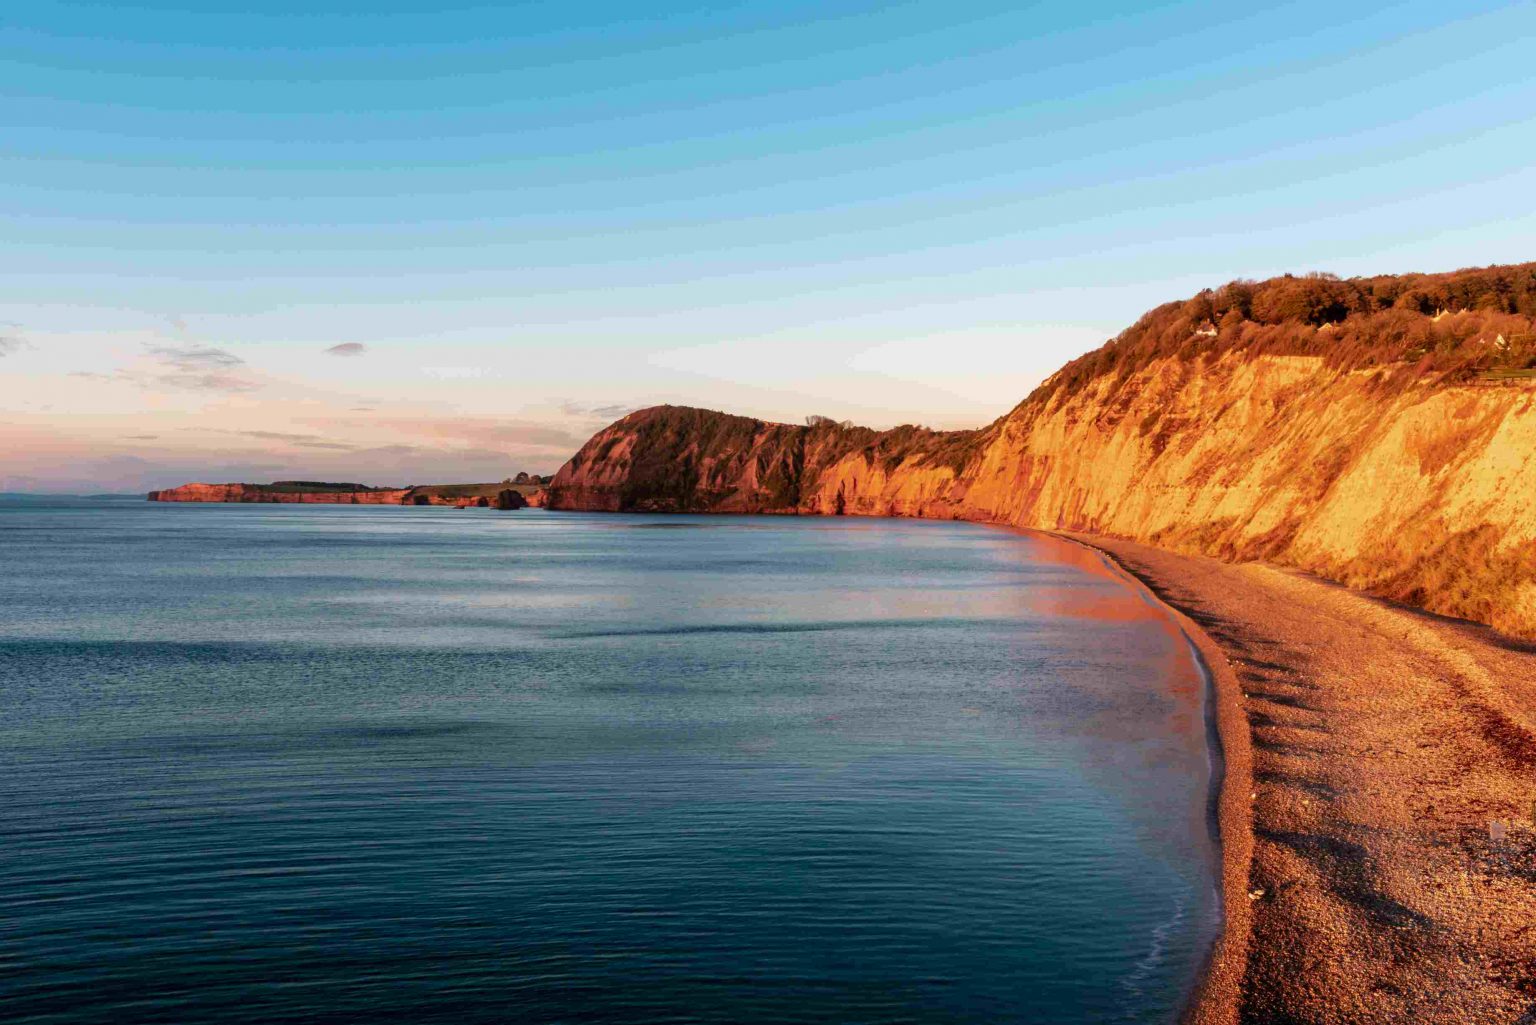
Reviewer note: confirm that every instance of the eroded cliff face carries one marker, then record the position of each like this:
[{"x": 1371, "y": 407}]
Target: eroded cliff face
[{"x": 1419, "y": 491}]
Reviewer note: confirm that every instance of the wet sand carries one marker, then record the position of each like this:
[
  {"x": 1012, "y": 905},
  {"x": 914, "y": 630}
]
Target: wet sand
[{"x": 1367, "y": 747}]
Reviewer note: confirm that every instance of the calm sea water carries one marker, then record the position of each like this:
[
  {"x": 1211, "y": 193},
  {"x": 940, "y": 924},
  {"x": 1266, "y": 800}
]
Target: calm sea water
[{"x": 299, "y": 763}]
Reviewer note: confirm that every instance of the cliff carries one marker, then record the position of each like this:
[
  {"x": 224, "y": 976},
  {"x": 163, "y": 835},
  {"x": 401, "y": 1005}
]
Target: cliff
[
  {"x": 1385, "y": 440},
  {"x": 462, "y": 496}
]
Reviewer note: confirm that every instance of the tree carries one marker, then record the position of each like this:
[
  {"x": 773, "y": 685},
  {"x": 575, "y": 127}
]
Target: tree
[{"x": 1200, "y": 309}]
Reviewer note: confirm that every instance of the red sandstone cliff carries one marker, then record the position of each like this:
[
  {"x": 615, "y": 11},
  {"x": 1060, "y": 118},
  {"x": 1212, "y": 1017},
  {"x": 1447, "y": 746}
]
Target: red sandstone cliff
[{"x": 1392, "y": 449}]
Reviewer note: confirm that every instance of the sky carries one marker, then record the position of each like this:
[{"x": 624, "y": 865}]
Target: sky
[{"x": 403, "y": 243}]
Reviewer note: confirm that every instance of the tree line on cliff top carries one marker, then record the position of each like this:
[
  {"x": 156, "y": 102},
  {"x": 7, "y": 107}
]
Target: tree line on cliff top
[{"x": 1457, "y": 325}]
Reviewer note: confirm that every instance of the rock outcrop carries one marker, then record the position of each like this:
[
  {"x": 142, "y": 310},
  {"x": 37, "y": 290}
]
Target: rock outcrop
[{"x": 1385, "y": 471}]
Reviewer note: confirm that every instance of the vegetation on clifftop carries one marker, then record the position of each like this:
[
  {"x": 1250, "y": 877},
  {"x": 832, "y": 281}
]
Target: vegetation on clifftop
[{"x": 1461, "y": 325}]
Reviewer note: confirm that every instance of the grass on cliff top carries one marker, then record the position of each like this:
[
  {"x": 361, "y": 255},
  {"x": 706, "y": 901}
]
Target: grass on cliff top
[{"x": 1458, "y": 326}]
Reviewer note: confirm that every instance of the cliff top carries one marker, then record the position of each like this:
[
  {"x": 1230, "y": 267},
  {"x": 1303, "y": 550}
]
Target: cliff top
[{"x": 1456, "y": 326}]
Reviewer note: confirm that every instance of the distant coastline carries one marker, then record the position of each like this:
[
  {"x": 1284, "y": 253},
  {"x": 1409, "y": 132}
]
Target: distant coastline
[
  {"x": 53, "y": 496},
  {"x": 506, "y": 495}
]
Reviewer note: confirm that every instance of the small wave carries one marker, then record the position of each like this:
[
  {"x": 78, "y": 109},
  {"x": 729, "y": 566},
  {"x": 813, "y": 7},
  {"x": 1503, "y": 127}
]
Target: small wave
[{"x": 1136, "y": 979}]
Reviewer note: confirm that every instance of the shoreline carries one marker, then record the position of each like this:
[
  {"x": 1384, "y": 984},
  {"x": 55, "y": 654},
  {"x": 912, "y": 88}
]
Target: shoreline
[
  {"x": 1214, "y": 996},
  {"x": 1377, "y": 845}
]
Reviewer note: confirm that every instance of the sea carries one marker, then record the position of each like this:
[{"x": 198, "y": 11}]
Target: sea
[{"x": 288, "y": 763}]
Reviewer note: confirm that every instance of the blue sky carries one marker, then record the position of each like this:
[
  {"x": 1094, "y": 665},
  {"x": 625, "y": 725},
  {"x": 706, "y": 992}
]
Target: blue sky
[{"x": 532, "y": 215}]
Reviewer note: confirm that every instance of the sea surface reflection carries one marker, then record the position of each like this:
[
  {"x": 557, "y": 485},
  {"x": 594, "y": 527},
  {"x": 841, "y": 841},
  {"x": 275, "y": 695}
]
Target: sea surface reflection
[{"x": 299, "y": 763}]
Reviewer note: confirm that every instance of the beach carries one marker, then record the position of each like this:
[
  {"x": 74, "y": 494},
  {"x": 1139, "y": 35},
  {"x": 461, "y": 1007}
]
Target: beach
[{"x": 1375, "y": 811}]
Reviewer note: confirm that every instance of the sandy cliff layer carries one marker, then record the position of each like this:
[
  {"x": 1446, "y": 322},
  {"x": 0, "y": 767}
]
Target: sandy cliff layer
[{"x": 1403, "y": 485}]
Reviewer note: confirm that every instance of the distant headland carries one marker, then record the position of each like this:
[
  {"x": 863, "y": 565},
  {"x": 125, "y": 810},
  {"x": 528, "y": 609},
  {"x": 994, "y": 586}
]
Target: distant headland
[{"x": 512, "y": 493}]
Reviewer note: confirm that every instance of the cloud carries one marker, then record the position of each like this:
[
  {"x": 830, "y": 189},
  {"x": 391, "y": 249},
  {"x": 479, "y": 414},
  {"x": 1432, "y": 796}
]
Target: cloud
[
  {"x": 181, "y": 367},
  {"x": 607, "y": 412},
  {"x": 458, "y": 435},
  {"x": 194, "y": 358},
  {"x": 302, "y": 440},
  {"x": 305, "y": 440},
  {"x": 10, "y": 344},
  {"x": 347, "y": 349},
  {"x": 207, "y": 382},
  {"x": 484, "y": 431},
  {"x": 197, "y": 368}
]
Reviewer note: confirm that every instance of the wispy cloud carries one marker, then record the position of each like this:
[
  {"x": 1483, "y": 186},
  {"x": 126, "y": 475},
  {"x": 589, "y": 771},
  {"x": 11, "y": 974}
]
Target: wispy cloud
[
  {"x": 189, "y": 367},
  {"x": 198, "y": 368},
  {"x": 485, "y": 431},
  {"x": 347, "y": 349},
  {"x": 10, "y": 344},
  {"x": 607, "y": 412},
  {"x": 193, "y": 358},
  {"x": 301, "y": 440}
]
